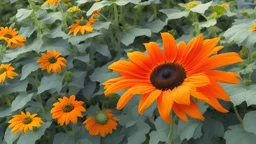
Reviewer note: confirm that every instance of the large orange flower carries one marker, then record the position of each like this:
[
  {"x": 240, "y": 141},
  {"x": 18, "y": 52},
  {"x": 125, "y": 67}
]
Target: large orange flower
[
  {"x": 11, "y": 36},
  {"x": 23, "y": 122},
  {"x": 170, "y": 77},
  {"x": 52, "y": 61},
  {"x": 68, "y": 109},
  {"x": 6, "y": 70},
  {"x": 103, "y": 123}
]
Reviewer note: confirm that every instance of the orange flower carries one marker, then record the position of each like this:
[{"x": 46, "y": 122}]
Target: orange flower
[
  {"x": 74, "y": 9},
  {"x": 103, "y": 123},
  {"x": 52, "y": 61},
  {"x": 11, "y": 36},
  {"x": 192, "y": 4},
  {"x": 68, "y": 109},
  {"x": 253, "y": 28},
  {"x": 51, "y": 2},
  {"x": 23, "y": 122},
  {"x": 80, "y": 25},
  {"x": 225, "y": 5},
  {"x": 170, "y": 77},
  {"x": 6, "y": 70}
]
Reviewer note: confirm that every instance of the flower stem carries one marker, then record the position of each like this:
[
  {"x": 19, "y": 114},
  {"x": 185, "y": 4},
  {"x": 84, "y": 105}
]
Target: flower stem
[
  {"x": 39, "y": 95},
  {"x": 169, "y": 139},
  {"x": 64, "y": 23},
  {"x": 238, "y": 117},
  {"x": 116, "y": 24}
]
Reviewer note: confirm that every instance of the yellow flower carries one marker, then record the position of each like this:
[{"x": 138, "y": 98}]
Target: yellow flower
[
  {"x": 68, "y": 109},
  {"x": 191, "y": 5},
  {"x": 225, "y": 5},
  {"x": 6, "y": 70},
  {"x": 74, "y": 9},
  {"x": 102, "y": 123},
  {"x": 23, "y": 122},
  {"x": 82, "y": 26},
  {"x": 253, "y": 28},
  {"x": 11, "y": 36},
  {"x": 52, "y": 61},
  {"x": 51, "y": 2}
]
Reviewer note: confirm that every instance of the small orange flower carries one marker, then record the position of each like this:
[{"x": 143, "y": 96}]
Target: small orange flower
[
  {"x": 11, "y": 36},
  {"x": 103, "y": 123},
  {"x": 81, "y": 25},
  {"x": 173, "y": 76},
  {"x": 23, "y": 122},
  {"x": 253, "y": 28},
  {"x": 51, "y": 2},
  {"x": 68, "y": 109},
  {"x": 225, "y": 5},
  {"x": 74, "y": 9},
  {"x": 52, "y": 61},
  {"x": 6, "y": 70}
]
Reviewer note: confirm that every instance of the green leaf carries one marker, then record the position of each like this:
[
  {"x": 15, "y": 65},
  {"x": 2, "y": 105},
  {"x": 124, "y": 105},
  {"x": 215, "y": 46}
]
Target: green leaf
[
  {"x": 97, "y": 6},
  {"x": 26, "y": 31},
  {"x": 57, "y": 32},
  {"x": 117, "y": 136},
  {"x": 53, "y": 81},
  {"x": 237, "y": 135},
  {"x": 10, "y": 137},
  {"x": 219, "y": 9},
  {"x": 88, "y": 89},
  {"x": 63, "y": 138},
  {"x": 249, "y": 122},
  {"x": 213, "y": 128},
  {"x": 99, "y": 25},
  {"x": 124, "y": 2},
  {"x": 50, "y": 18},
  {"x": 31, "y": 136},
  {"x": 16, "y": 87},
  {"x": 58, "y": 44},
  {"x": 201, "y": 8},
  {"x": 28, "y": 68},
  {"x": 187, "y": 129},
  {"x": 22, "y": 14},
  {"x": 161, "y": 133},
  {"x": 20, "y": 101},
  {"x": 139, "y": 136},
  {"x": 174, "y": 13},
  {"x": 155, "y": 26},
  {"x": 249, "y": 68},
  {"x": 5, "y": 111},
  {"x": 102, "y": 49},
  {"x": 82, "y": 1},
  {"x": 12, "y": 54},
  {"x": 77, "y": 39},
  {"x": 78, "y": 79},
  {"x": 240, "y": 93},
  {"x": 129, "y": 35},
  {"x": 208, "y": 23}
]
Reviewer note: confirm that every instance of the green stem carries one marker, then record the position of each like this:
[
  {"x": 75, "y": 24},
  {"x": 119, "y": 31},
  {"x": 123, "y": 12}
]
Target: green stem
[
  {"x": 249, "y": 62},
  {"x": 39, "y": 95},
  {"x": 103, "y": 16},
  {"x": 116, "y": 23},
  {"x": 64, "y": 23},
  {"x": 238, "y": 117},
  {"x": 169, "y": 139},
  {"x": 37, "y": 23},
  {"x": 155, "y": 10},
  {"x": 8, "y": 102}
]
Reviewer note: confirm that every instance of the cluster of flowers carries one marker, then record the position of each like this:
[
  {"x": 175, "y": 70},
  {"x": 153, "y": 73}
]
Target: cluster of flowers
[{"x": 66, "y": 110}]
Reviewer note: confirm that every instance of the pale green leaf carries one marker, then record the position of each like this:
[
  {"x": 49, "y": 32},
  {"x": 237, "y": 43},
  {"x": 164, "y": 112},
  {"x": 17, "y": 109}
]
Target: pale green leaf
[
  {"x": 129, "y": 35},
  {"x": 77, "y": 39},
  {"x": 102, "y": 49},
  {"x": 5, "y": 111},
  {"x": 57, "y": 32},
  {"x": 20, "y": 86},
  {"x": 187, "y": 129},
  {"x": 53, "y": 81},
  {"x": 10, "y": 137},
  {"x": 26, "y": 31},
  {"x": 28, "y": 68},
  {"x": 63, "y": 138},
  {"x": 161, "y": 133},
  {"x": 22, "y": 14},
  {"x": 124, "y": 2},
  {"x": 174, "y": 13},
  {"x": 208, "y": 23},
  {"x": 219, "y": 9},
  {"x": 97, "y": 6},
  {"x": 78, "y": 79},
  {"x": 237, "y": 135},
  {"x": 84, "y": 59},
  {"x": 51, "y": 17},
  {"x": 58, "y": 44},
  {"x": 88, "y": 89},
  {"x": 249, "y": 122},
  {"x": 82, "y": 1},
  {"x": 201, "y": 8},
  {"x": 20, "y": 101},
  {"x": 99, "y": 25},
  {"x": 155, "y": 26},
  {"x": 139, "y": 136},
  {"x": 31, "y": 136}
]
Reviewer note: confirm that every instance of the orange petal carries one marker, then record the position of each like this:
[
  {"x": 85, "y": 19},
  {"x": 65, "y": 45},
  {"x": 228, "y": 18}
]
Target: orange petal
[
  {"x": 154, "y": 52},
  {"x": 151, "y": 98},
  {"x": 170, "y": 48}
]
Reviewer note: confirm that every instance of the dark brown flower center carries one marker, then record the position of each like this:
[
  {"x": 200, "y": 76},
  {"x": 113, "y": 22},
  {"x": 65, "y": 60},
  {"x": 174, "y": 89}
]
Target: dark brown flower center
[
  {"x": 27, "y": 120},
  {"x": 52, "y": 59},
  {"x": 2, "y": 70},
  {"x": 101, "y": 117},
  {"x": 167, "y": 76},
  {"x": 68, "y": 107},
  {"x": 7, "y": 35}
]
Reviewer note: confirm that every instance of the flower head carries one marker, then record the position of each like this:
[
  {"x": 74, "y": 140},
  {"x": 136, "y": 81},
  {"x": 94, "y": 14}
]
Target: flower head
[
  {"x": 23, "y": 122},
  {"x": 67, "y": 109},
  {"x": 253, "y": 28},
  {"x": 6, "y": 70},
  {"x": 192, "y": 4},
  {"x": 52, "y": 61},
  {"x": 225, "y": 5},
  {"x": 11, "y": 36},
  {"x": 102, "y": 123},
  {"x": 50, "y": 2},
  {"x": 74, "y": 9},
  {"x": 171, "y": 76},
  {"x": 81, "y": 25}
]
